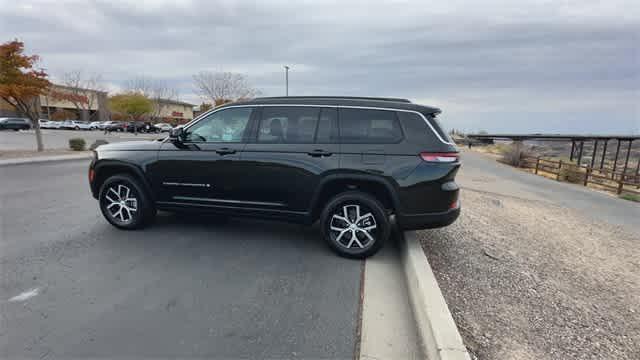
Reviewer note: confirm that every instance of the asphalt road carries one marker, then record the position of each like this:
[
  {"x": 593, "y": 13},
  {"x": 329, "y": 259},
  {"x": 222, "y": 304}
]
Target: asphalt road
[
  {"x": 480, "y": 172},
  {"x": 59, "y": 139},
  {"x": 71, "y": 285}
]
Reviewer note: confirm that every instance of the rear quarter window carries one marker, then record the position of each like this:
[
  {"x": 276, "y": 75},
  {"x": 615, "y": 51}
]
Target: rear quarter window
[
  {"x": 359, "y": 126},
  {"x": 438, "y": 127},
  {"x": 416, "y": 129}
]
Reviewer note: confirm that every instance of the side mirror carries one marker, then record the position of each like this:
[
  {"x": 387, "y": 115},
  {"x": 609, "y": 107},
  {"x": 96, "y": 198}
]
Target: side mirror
[{"x": 177, "y": 134}]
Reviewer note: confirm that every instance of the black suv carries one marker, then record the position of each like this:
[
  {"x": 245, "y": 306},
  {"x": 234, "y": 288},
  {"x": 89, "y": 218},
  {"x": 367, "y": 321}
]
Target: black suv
[{"x": 350, "y": 163}]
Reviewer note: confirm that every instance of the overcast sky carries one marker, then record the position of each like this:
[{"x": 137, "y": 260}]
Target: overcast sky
[{"x": 500, "y": 66}]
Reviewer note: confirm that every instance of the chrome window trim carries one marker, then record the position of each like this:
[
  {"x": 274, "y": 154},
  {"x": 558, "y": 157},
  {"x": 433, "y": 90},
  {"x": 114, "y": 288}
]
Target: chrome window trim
[{"x": 433, "y": 130}]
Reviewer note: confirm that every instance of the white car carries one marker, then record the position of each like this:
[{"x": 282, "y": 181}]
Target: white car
[
  {"x": 164, "y": 127},
  {"x": 75, "y": 125},
  {"x": 95, "y": 125},
  {"x": 46, "y": 124}
]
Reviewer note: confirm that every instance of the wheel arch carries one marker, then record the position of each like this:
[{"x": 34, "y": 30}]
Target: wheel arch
[
  {"x": 335, "y": 184},
  {"x": 107, "y": 168}
]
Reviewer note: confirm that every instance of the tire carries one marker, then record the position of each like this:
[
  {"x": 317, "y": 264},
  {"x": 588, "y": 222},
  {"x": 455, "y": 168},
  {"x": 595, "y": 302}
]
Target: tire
[
  {"x": 117, "y": 187},
  {"x": 77, "y": 128},
  {"x": 371, "y": 231}
]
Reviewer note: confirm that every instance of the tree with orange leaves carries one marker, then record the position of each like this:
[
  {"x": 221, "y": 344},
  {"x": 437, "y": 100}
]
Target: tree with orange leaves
[{"x": 21, "y": 84}]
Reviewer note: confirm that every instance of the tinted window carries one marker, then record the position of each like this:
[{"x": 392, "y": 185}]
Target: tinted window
[
  {"x": 441, "y": 131},
  {"x": 416, "y": 129},
  {"x": 227, "y": 126},
  {"x": 369, "y": 126},
  {"x": 292, "y": 125},
  {"x": 328, "y": 127}
]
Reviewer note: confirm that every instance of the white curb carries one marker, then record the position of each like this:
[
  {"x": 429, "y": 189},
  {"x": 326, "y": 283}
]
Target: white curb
[
  {"x": 440, "y": 337},
  {"x": 44, "y": 159}
]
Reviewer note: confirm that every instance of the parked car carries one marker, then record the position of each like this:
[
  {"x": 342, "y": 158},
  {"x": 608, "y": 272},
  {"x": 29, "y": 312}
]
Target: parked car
[
  {"x": 14, "y": 124},
  {"x": 115, "y": 126},
  {"x": 75, "y": 125},
  {"x": 141, "y": 127},
  {"x": 46, "y": 124},
  {"x": 163, "y": 127},
  {"x": 104, "y": 124},
  {"x": 94, "y": 125},
  {"x": 347, "y": 163}
]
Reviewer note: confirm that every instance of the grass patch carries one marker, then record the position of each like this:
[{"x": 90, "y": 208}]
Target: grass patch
[{"x": 630, "y": 197}]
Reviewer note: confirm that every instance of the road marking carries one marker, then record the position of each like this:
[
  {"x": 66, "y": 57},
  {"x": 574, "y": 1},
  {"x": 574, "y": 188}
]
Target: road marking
[{"x": 25, "y": 295}]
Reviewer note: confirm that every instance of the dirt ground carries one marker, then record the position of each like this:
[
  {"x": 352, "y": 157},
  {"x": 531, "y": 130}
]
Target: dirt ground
[{"x": 528, "y": 279}]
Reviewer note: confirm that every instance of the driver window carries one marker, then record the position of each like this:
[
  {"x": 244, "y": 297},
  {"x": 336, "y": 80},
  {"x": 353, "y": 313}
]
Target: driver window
[{"x": 224, "y": 126}]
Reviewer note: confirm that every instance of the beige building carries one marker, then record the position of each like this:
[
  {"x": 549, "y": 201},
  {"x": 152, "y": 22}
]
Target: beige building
[
  {"x": 92, "y": 105},
  {"x": 86, "y": 104},
  {"x": 172, "y": 111},
  {"x": 83, "y": 104}
]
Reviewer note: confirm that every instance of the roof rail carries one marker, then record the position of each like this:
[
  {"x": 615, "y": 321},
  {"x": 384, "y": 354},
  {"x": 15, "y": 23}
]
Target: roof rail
[{"x": 335, "y": 98}]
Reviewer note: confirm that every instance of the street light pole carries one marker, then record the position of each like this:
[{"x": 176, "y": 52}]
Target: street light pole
[{"x": 286, "y": 80}]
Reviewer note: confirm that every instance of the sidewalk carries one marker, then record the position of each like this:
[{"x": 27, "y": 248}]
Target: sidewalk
[{"x": 46, "y": 158}]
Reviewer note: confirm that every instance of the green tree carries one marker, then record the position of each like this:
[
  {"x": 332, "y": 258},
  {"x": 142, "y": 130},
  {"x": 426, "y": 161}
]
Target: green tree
[
  {"x": 21, "y": 84},
  {"x": 132, "y": 105}
]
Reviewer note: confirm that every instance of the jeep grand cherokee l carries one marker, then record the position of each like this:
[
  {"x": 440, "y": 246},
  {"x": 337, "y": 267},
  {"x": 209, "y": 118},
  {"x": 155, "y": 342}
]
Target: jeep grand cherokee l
[{"x": 349, "y": 163}]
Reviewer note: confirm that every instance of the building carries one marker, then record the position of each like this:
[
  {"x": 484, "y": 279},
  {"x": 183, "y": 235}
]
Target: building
[
  {"x": 82, "y": 104},
  {"x": 172, "y": 111},
  {"x": 62, "y": 102}
]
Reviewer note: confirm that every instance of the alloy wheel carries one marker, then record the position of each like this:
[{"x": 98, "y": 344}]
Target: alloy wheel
[
  {"x": 353, "y": 226},
  {"x": 121, "y": 203}
]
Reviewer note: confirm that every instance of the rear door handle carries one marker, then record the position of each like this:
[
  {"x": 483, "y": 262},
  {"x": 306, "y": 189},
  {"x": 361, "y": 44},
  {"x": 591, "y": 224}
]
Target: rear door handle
[
  {"x": 225, "y": 151},
  {"x": 318, "y": 153}
]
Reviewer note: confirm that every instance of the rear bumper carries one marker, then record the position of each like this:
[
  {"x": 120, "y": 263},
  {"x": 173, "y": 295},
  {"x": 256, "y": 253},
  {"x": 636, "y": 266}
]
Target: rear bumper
[{"x": 428, "y": 221}]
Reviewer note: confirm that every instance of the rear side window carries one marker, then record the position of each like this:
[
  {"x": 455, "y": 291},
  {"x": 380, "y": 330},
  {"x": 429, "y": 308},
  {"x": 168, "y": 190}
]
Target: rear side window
[
  {"x": 369, "y": 126},
  {"x": 288, "y": 125}
]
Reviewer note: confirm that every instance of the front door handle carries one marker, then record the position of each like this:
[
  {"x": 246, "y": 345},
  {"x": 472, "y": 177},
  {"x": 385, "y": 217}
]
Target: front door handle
[
  {"x": 225, "y": 151},
  {"x": 318, "y": 153}
]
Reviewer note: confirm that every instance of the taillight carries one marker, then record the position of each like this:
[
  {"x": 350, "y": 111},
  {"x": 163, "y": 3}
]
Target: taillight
[
  {"x": 92, "y": 175},
  {"x": 445, "y": 157}
]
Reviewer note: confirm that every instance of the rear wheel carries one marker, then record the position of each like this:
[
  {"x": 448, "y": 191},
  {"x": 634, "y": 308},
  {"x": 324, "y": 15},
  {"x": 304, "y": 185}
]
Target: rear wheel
[
  {"x": 355, "y": 224},
  {"x": 124, "y": 203}
]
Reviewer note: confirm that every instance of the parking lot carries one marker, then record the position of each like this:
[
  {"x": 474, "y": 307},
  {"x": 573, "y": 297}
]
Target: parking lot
[
  {"x": 187, "y": 286},
  {"x": 59, "y": 139}
]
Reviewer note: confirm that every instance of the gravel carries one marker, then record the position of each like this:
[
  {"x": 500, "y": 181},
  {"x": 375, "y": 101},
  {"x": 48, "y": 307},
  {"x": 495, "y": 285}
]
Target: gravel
[{"x": 530, "y": 279}]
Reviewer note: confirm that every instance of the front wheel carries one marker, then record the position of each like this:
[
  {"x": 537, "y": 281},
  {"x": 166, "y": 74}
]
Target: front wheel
[
  {"x": 124, "y": 203},
  {"x": 355, "y": 224}
]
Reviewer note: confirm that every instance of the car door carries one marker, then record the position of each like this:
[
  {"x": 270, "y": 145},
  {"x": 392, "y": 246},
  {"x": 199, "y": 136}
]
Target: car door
[
  {"x": 202, "y": 168},
  {"x": 291, "y": 149}
]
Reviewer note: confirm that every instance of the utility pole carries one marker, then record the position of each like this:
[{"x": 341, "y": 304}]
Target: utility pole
[{"x": 286, "y": 79}]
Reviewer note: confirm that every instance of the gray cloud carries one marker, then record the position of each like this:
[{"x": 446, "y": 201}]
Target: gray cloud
[{"x": 499, "y": 65}]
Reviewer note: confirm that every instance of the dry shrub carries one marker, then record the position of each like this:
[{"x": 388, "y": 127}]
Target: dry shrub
[
  {"x": 77, "y": 144},
  {"x": 572, "y": 173},
  {"x": 514, "y": 153}
]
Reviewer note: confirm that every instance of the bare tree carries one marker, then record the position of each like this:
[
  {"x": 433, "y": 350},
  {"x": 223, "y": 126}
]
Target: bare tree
[
  {"x": 79, "y": 90},
  {"x": 221, "y": 87},
  {"x": 156, "y": 90}
]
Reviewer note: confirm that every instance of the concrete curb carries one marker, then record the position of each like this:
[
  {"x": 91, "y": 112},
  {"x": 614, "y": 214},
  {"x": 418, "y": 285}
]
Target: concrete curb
[
  {"x": 440, "y": 337},
  {"x": 44, "y": 159}
]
